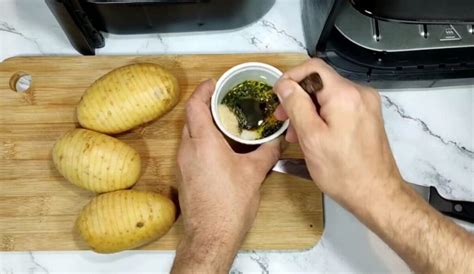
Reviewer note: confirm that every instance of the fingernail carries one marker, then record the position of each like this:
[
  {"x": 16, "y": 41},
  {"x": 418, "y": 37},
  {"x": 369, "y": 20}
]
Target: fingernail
[
  {"x": 284, "y": 93},
  {"x": 283, "y": 88},
  {"x": 212, "y": 80}
]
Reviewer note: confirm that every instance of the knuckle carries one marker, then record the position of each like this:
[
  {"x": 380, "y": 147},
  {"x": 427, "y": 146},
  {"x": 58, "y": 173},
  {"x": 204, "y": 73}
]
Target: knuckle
[
  {"x": 282, "y": 84},
  {"x": 353, "y": 90},
  {"x": 182, "y": 156},
  {"x": 372, "y": 97},
  {"x": 377, "y": 97},
  {"x": 180, "y": 160},
  {"x": 308, "y": 143},
  {"x": 350, "y": 99},
  {"x": 284, "y": 76},
  {"x": 277, "y": 86},
  {"x": 375, "y": 93},
  {"x": 315, "y": 62},
  {"x": 353, "y": 95},
  {"x": 190, "y": 105}
]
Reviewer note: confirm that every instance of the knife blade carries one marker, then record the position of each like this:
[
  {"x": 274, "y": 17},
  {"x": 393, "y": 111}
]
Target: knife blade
[
  {"x": 462, "y": 210},
  {"x": 295, "y": 167}
]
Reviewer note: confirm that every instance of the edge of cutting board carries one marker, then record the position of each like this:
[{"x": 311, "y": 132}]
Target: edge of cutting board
[{"x": 105, "y": 63}]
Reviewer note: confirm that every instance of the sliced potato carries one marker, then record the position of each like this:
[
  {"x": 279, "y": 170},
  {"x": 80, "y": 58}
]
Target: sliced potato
[
  {"x": 127, "y": 97},
  {"x": 95, "y": 161},
  {"x": 125, "y": 219}
]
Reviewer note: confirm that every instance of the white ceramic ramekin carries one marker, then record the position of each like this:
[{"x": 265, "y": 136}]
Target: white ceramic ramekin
[{"x": 236, "y": 75}]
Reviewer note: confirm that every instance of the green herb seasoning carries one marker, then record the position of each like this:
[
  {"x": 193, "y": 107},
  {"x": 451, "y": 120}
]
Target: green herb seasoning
[{"x": 253, "y": 103}]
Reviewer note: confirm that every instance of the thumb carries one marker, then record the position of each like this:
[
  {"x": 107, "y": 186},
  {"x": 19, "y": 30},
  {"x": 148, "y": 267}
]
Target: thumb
[
  {"x": 299, "y": 107},
  {"x": 267, "y": 155}
]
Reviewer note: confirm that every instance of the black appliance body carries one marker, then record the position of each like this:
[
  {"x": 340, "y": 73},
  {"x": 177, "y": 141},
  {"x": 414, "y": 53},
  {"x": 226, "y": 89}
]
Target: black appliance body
[
  {"x": 84, "y": 21},
  {"x": 394, "y": 44},
  {"x": 387, "y": 43}
]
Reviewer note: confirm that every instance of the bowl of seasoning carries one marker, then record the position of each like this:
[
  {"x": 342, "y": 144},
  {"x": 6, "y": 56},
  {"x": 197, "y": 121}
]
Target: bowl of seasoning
[{"x": 243, "y": 104}]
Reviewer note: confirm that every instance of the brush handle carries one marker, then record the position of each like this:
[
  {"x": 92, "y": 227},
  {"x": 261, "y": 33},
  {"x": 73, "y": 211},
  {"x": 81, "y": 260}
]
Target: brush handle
[{"x": 312, "y": 84}]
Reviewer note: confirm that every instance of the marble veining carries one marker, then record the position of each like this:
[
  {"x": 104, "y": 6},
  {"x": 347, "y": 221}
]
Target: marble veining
[
  {"x": 261, "y": 260},
  {"x": 5, "y": 27},
  {"x": 442, "y": 182},
  {"x": 271, "y": 25},
  {"x": 36, "y": 266},
  {"x": 389, "y": 104},
  {"x": 426, "y": 156}
]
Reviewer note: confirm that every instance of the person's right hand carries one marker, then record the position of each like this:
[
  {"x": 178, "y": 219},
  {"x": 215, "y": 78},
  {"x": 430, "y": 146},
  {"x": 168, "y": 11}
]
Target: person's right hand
[
  {"x": 348, "y": 156},
  {"x": 345, "y": 145}
]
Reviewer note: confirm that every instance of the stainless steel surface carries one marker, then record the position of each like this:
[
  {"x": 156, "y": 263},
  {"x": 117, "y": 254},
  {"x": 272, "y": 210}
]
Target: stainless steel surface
[
  {"x": 295, "y": 167},
  {"x": 394, "y": 37},
  {"x": 424, "y": 191},
  {"x": 314, "y": 16}
]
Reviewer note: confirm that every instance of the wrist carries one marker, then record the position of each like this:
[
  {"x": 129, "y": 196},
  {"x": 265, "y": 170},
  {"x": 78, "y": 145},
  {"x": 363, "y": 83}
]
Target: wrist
[
  {"x": 206, "y": 253},
  {"x": 374, "y": 200}
]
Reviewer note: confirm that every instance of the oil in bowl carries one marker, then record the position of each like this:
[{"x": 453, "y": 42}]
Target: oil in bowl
[
  {"x": 243, "y": 104},
  {"x": 246, "y": 111}
]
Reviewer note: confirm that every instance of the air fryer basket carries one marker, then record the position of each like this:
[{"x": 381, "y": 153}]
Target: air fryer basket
[{"x": 84, "y": 20}]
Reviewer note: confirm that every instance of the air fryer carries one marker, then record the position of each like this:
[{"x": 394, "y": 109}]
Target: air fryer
[
  {"x": 84, "y": 20},
  {"x": 387, "y": 43}
]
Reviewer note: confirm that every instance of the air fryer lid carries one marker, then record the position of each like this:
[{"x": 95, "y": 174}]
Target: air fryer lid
[
  {"x": 84, "y": 20},
  {"x": 418, "y": 11},
  {"x": 366, "y": 64},
  {"x": 148, "y": 16}
]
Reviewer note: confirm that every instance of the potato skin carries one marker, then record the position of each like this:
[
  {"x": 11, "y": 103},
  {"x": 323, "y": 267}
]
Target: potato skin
[
  {"x": 128, "y": 97},
  {"x": 95, "y": 161},
  {"x": 125, "y": 219}
]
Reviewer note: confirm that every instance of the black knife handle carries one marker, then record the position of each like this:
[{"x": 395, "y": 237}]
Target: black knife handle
[{"x": 457, "y": 209}]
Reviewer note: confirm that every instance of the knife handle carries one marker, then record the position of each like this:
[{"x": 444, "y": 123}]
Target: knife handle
[{"x": 457, "y": 209}]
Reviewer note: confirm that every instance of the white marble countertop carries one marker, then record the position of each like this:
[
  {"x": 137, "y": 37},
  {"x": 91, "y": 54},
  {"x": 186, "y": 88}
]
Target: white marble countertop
[{"x": 431, "y": 132}]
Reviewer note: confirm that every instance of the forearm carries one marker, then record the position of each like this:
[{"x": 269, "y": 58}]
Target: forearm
[
  {"x": 209, "y": 254},
  {"x": 425, "y": 239}
]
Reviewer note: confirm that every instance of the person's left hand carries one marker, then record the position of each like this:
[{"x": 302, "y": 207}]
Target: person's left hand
[{"x": 218, "y": 188}]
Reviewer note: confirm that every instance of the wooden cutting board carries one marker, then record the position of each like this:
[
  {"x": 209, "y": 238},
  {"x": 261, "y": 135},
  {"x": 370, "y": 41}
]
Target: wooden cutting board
[{"x": 38, "y": 206}]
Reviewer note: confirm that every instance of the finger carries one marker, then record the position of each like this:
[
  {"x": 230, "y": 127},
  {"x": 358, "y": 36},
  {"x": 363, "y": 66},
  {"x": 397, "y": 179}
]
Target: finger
[
  {"x": 291, "y": 136},
  {"x": 300, "y": 72},
  {"x": 266, "y": 155},
  {"x": 185, "y": 143},
  {"x": 280, "y": 113},
  {"x": 185, "y": 133},
  {"x": 198, "y": 114},
  {"x": 204, "y": 91},
  {"x": 183, "y": 152},
  {"x": 300, "y": 108},
  {"x": 330, "y": 78}
]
